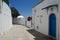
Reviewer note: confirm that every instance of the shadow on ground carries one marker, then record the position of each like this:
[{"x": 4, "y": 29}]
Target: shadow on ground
[{"x": 39, "y": 36}]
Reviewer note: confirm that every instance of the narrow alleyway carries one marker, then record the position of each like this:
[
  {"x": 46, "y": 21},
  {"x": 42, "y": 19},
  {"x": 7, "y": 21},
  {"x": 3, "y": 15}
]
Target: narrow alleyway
[{"x": 19, "y": 32}]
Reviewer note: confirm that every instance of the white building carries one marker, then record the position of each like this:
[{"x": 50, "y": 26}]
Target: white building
[
  {"x": 29, "y": 22},
  {"x": 46, "y": 18},
  {"x": 21, "y": 20},
  {"x": 5, "y": 18}
]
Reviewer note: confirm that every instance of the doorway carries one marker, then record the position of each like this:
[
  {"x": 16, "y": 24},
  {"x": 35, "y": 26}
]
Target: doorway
[{"x": 52, "y": 25}]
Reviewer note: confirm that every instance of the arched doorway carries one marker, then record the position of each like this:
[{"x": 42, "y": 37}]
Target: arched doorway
[{"x": 52, "y": 25}]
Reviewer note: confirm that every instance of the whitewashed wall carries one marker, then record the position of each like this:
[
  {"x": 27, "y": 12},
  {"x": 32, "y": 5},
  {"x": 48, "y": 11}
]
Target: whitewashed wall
[
  {"x": 5, "y": 18},
  {"x": 59, "y": 20},
  {"x": 42, "y": 26},
  {"x": 0, "y": 5},
  {"x": 43, "y": 22},
  {"x": 0, "y": 15},
  {"x": 29, "y": 24},
  {"x": 33, "y": 18},
  {"x": 14, "y": 20},
  {"x": 21, "y": 21}
]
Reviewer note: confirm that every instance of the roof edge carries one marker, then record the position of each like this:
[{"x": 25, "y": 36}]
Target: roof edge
[{"x": 38, "y": 3}]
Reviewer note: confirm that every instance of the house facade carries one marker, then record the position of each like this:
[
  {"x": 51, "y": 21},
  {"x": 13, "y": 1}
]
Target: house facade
[
  {"x": 45, "y": 18},
  {"x": 29, "y": 22}
]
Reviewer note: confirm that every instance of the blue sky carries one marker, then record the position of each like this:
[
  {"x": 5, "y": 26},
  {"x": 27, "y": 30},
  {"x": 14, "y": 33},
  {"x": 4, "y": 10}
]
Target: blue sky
[{"x": 23, "y": 6}]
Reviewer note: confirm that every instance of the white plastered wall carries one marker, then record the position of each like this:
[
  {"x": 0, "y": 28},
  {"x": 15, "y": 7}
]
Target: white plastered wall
[
  {"x": 42, "y": 23},
  {"x": 21, "y": 21},
  {"x": 33, "y": 19},
  {"x": 29, "y": 24},
  {"x": 58, "y": 20},
  {"x": 44, "y": 26},
  {"x": 0, "y": 15},
  {"x": 6, "y": 19},
  {"x": 14, "y": 20}
]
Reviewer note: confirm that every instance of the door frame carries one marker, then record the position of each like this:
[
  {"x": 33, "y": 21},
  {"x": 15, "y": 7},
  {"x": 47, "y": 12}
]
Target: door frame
[{"x": 49, "y": 24}]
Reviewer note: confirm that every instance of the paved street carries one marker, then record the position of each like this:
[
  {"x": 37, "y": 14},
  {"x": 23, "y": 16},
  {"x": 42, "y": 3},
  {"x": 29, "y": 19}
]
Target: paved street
[
  {"x": 39, "y": 36},
  {"x": 17, "y": 32}
]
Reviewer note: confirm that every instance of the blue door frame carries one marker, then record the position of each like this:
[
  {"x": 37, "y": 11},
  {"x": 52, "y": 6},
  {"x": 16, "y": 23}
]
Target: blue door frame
[{"x": 52, "y": 25}]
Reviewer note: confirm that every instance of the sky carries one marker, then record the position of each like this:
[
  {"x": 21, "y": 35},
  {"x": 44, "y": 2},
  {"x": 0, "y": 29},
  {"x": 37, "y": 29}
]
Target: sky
[{"x": 24, "y": 7}]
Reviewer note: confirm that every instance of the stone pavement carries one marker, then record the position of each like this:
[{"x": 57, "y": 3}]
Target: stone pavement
[
  {"x": 17, "y": 32},
  {"x": 39, "y": 36}
]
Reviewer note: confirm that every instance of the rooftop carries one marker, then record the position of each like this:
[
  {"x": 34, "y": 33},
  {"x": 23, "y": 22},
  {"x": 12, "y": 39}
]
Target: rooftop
[{"x": 20, "y": 17}]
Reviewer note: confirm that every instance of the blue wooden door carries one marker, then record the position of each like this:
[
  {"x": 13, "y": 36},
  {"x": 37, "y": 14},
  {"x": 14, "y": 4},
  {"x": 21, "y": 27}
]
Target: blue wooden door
[{"x": 52, "y": 25}]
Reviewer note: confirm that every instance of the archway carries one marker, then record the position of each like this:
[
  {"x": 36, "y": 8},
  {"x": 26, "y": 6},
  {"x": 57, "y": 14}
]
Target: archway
[{"x": 52, "y": 25}]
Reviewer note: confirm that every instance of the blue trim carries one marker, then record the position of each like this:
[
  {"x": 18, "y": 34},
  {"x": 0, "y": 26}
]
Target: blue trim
[{"x": 50, "y": 6}]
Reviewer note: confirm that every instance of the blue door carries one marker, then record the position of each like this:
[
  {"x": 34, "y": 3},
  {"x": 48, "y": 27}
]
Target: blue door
[{"x": 52, "y": 25}]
